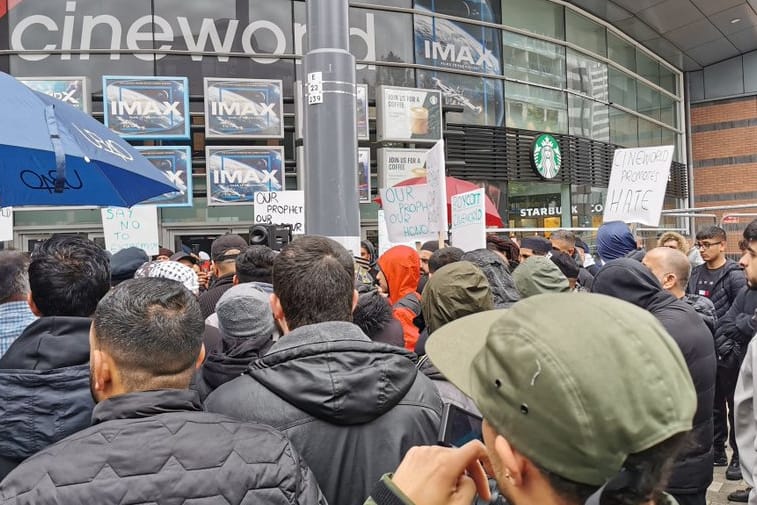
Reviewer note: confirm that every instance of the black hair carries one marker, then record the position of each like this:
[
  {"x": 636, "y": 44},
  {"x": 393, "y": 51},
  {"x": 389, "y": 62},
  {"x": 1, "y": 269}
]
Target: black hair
[
  {"x": 68, "y": 275},
  {"x": 375, "y": 317},
  {"x": 255, "y": 264},
  {"x": 566, "y": 264},
  {"x": 648, "y": 470},
  {"x": 313, "y": 278},
  {"x": 711, "y": 232},
  {"x": 443, "y": 257},
  {"x": 152, "y": 328},
  {"x": 750, "y": 232},
  {"x": 14, "y": 277}
]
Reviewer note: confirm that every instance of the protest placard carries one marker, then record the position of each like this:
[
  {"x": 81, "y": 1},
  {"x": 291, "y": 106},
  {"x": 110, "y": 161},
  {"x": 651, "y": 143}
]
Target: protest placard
[
  {"x": 437, "y": 189},
  {"x": 407, "y": 213},
  {"x": 6, "y": 224},
  {"x": 281, "y": 207},
  {"x": 638, "y": 180},
  {"x": 384, "y": 244},
  {"x": 469, "y": 220},
  {"x": 133, "y": 227}
]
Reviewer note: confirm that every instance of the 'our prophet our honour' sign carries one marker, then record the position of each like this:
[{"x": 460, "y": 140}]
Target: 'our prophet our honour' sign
[
  {"x": 147, "y": 107},
  {"x": 638, "y": 180},
  {"x": 409, "y": 114},
  {"x": 243, "y": 108}
]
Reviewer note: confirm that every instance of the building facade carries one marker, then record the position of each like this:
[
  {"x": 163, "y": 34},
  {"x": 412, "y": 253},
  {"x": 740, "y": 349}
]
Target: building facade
[{"x": 508, "y": 70}]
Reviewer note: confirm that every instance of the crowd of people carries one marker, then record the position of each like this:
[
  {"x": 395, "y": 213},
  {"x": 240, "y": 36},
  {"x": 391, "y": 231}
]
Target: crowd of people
[{"x": 309, "y": 375}]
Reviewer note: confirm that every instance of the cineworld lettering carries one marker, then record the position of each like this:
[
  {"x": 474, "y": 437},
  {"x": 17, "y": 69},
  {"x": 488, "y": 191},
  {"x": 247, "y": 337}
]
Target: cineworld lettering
[
  {"x": 46, "y": 181},
  {"x": 145, "y": 30}
]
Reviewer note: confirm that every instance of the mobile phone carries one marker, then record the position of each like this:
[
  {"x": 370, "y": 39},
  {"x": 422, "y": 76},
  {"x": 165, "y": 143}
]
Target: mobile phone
[{"x": 459, "y": 426}]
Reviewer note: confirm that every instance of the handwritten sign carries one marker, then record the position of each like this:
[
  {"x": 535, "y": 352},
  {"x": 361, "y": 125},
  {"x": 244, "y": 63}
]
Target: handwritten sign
[
  {"x": 469, "y": 220},
  {"x": 6, "y": 224},
  {"x": 637, "y": 184},
  {"x": 281, "y": 207},
  {"x": 407, "y": 213},
  {"x": 133, "y": 227},
  {"x": 437, "y": 189},
  {"x": 384, "y": 244}
]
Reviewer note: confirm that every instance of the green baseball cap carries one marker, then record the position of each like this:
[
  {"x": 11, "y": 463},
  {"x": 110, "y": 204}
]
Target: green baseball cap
[{"x": 576, "y": 382}]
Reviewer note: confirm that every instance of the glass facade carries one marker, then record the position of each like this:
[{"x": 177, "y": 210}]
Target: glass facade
[{"x": 530, "y": 64}]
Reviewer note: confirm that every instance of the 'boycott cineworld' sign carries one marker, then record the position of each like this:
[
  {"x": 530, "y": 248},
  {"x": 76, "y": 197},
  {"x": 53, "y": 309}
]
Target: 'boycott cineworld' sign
[{"x": 72, "y": 30}]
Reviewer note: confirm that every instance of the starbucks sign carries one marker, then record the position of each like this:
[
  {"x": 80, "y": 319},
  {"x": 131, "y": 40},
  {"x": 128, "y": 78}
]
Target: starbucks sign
[{"x": 545, "y": 156}]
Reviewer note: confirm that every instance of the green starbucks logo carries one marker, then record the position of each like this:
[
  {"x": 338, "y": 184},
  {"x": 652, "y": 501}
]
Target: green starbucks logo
[{"x": 546, "y": 158}]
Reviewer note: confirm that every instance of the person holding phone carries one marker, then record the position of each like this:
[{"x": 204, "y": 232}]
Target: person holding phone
[{"x": 579, "y": 415}]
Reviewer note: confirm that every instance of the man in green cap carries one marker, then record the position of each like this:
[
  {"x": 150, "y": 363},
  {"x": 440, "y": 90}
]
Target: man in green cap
[{"x": 573, "y": 414}]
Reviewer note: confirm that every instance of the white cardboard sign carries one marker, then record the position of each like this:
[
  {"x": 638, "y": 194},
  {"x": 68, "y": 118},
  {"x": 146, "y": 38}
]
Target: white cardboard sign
[
  {"x": 131, "y": 227},
  {"x": 281, "y": 207},
  {"x": 437, "y": 189},
  {"x": 638, "y": 180},
  {"x": 6, "y": 224},
  {"x": 407, "y": 213},
  {"x": 384, "y": 244},
  {"x": 469, "y": 220}
]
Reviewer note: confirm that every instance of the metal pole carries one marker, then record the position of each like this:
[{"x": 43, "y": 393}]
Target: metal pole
[{"x": 330, "y": 135}]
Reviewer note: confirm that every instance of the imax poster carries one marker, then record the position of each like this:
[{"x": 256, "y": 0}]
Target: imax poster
[
  {"x": 364, "y": 174},
  {"x": 235, "y": 174},
  {"x": 72, "y": 90},
  {"x": 176, "y": 163},
  {"x": 452, "y": 45},
  {"x": 243, "y": 108},
  {"x": 147, "y": 107}
]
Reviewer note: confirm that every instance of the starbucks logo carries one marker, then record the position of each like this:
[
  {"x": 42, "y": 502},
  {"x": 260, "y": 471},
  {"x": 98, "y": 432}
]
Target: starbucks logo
[{"x": 546, "y": 158}]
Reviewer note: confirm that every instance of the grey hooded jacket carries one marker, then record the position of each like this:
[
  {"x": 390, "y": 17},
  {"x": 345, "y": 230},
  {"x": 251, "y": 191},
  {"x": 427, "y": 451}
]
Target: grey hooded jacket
[{"x": 351, "y": 407}]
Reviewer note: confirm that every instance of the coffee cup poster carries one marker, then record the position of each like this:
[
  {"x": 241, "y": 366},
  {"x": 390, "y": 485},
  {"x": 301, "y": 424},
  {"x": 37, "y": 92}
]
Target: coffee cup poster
[
  {"x": 409, "y": 114},
  {"x": 397, "y": 165}
]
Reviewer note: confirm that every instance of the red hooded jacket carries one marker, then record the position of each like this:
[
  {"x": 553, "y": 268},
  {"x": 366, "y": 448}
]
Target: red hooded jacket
[{"x": 401, "y": 268}]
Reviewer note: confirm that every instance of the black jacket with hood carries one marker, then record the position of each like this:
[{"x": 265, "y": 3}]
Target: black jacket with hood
[
  {"x": 351, "y": 407},
  {"x": 736, "y": 328},
  {"x": 44, "y": 387},
  {"x": 631, "y": 281},
  {"x": 727, "y": 285},
  {"x": 159, "y": 447}
]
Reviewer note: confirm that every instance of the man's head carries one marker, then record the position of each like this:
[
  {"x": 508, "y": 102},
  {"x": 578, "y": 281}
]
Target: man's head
[
  {"x": 534, "y": 246},
  {"x": 673, "y": 240},
  {"x": 711, "y": 242},
  {"x": 615, "y": 240},
  {"x": 563, "y": 241},
  {"x": 399, "y": 272},
  {"x": 566, "y": 411},
  {"x": 539, "y": 275},
  {"x": 185, "y": 259},
  {"x": 313, "y": 282},
  {"x": 454, "y": 291},
  {"x": 244, "y": 312},
  {"x": 443, "y": 257},
  {"x": 14, "y": 277},
  {"x": 505, "y": 247},
  {"x": 146, "y": 334},
  {"x": 567, "y": 266},
  {"x": 125, "y": 262},
  {"x": 67, "y": 276},
  {"x": 224, "y": 251},
  {"x": 255, "y": 264},
  {"x": 427, "y": 249},
  {"x": 748, "y": 259},
  {"x": 671, "y": 267}
]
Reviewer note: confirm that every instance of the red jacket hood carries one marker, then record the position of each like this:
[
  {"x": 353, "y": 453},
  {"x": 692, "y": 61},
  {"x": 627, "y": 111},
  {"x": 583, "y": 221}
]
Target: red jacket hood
[{"x": 401, "y": 267}]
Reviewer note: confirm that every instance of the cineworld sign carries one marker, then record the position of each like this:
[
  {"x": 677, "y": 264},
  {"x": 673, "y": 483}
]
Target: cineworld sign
[{"x": 198, "y": 36}]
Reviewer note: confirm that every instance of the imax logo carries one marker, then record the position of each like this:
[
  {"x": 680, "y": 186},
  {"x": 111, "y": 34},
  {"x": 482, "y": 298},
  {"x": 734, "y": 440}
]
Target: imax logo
[
  {"x": 459, "y": 55},
  {"x": 241, "y": 109},
  {"x": 239, "y": 177},
  {"x": 144, "y": 108}
]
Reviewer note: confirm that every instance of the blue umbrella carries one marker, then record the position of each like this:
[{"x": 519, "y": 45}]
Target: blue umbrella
[{"x": 54, "y": 154}]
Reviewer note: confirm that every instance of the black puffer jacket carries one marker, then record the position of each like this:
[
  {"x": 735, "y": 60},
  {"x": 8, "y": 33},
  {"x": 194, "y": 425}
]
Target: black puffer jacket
[
  {"x": 728, "y": 284},
  {"x": 631, "y": 281},
  {"x": 44, "y": 387},
  {"x": 735, "y": 329},
  {"x": 159, "y": 447},
  {"x": 351, "y": 407},
  {"x": 705, "y": 308}
]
